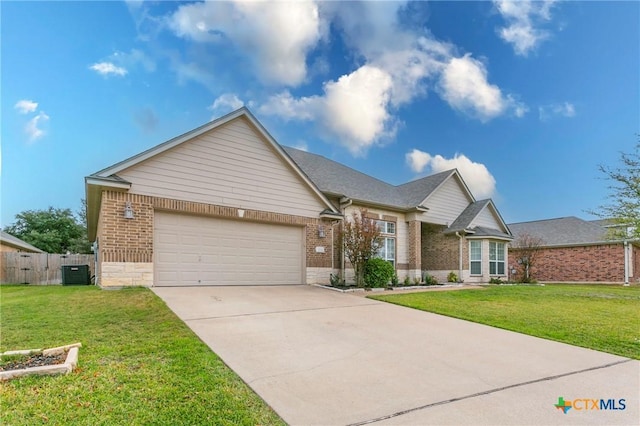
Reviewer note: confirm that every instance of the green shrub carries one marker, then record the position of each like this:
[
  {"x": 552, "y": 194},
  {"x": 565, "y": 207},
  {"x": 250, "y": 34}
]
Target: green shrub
[
  {"x": 430, "y": 280},
  {"x": 394, "y": 279},
  {"x": 377, "y": 273},
  {"x": 407, "y": 281},
  {"x": 496, "y": 281},
  {"x": 416, "y": 280},
  {"x": 452, "y": 277},
  {"x": 335, "y": 280}
]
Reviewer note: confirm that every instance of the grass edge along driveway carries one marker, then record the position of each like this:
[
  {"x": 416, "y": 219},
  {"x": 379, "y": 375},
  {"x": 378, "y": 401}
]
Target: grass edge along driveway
[
  {"x": 139, "y": 364},
  {"x": 600, "y": 317}
]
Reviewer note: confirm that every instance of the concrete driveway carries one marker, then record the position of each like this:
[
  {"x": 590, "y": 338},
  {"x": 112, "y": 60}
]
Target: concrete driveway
[{"x": 326, "y": 358}]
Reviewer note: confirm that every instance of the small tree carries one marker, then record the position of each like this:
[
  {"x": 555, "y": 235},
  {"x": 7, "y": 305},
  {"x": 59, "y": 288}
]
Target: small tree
[
  {"x": 624, "y": 208},
  {"x": 360, "y": 240},
  {"x": 527, "y": 247}
]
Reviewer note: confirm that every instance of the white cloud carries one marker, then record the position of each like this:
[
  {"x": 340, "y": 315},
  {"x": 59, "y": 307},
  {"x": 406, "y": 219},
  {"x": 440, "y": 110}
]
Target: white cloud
[
  {"x": 565, "y": 109},
  {"x": 276, "y": 35},
  {"x": 108, "y": 68},
  {"x": 353, "y": 109},
  {"x": 285, "y": 106},
  {"x": 524, "y": 18},
  {"x": 480, "y": 181},
  {"x": 132, "y": 59},
  {"x": 400, "y": 64},
  {"x": 226, "y": 103},
  {"x": 33, "y": 128},
  {"x": 464, "y": 85},
  {"x": 25, "y": 106}
]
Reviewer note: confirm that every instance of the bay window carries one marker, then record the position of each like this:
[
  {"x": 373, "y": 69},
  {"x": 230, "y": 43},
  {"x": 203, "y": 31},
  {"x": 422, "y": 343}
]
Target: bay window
[
  {"x": 475, "y": 257},
  {"x": 496, "y": 258}
]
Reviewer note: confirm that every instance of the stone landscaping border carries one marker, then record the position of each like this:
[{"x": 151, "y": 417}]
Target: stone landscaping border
[
  {"x": 69, "y": 364},
  {"x": 396, "y": 289}
]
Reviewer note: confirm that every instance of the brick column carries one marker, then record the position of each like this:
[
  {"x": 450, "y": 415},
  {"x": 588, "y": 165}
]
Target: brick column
[{"x": 414, "y": 246}]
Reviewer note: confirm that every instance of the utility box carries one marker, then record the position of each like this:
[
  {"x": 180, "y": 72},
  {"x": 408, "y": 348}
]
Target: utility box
[{"x": 75, "y": 275}]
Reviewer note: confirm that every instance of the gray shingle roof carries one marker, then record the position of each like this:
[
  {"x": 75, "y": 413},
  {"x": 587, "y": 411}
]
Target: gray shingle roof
[
  {"x": 562, "y": 231},
  {"x": 337, "y": 179},
  {"x": 16, "y": 242},
  {"x": 466, "y": 217},
  {"x": 463, "y": 222}
]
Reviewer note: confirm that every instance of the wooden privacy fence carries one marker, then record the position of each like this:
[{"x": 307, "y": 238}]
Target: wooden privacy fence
[{"x": 39, "y": 268}]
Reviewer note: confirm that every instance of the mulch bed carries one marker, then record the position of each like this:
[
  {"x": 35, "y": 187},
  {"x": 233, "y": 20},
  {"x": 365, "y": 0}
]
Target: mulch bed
[{"x": 35, "y": 360}]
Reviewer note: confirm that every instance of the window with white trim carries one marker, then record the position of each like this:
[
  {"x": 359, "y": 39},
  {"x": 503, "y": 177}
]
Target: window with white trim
[
  {"x": 388, "y": 250},
  {"x": 386, "y": 227},
  {"x": 496, "y": 258},
  {"x": 475, "y": 257}
]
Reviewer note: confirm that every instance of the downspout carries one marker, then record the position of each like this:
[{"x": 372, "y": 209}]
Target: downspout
[
  {"x": 459, "y": 256},
  {"x": 626, "y": 263}
]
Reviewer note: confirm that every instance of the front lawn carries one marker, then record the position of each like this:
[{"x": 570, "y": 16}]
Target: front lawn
[
  {"x": 599, "y": 317},
  {"x": 139, "y": 364}
]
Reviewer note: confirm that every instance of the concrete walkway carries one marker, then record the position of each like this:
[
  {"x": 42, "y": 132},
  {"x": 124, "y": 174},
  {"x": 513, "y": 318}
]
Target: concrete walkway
[{"x": 324, "y": 358}]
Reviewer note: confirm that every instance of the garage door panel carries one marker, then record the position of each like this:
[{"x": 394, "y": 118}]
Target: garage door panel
[{"x": 194, "y": 250}]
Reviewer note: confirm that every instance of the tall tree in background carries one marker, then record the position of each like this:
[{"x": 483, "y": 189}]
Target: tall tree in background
[
  {"x": 52, "y": 230},
  {"x": 624, "y": 206},
  {"x": 360, "y": 240}
]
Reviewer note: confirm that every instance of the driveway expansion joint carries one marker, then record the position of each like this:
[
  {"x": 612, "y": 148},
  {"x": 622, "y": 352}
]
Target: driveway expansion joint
[
  {"x": 490, "y": 391},
  {"x": 281, "y": 312}
]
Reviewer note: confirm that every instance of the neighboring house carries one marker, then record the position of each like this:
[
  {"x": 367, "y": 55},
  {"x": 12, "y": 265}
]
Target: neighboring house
[
  {"x": 575, "y": 250},
  {"x": 225, "y": 204},
  {"x": 14, "y": 244}
]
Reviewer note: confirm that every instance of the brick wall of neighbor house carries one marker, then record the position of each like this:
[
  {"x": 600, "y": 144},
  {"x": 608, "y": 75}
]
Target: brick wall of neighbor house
[
  {"x": 597, "y": 263},
  {"x": 126, "y": 245}
]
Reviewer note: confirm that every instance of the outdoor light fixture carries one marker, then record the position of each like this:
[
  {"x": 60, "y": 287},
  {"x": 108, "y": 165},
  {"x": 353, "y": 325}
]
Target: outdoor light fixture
[
  {"x": 321, "y": 231},
  {"x": 128, "y": 210}
]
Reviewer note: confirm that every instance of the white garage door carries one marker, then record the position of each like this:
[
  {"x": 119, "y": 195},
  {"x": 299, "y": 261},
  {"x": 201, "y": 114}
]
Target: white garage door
[{"x": 200, "y": 251}]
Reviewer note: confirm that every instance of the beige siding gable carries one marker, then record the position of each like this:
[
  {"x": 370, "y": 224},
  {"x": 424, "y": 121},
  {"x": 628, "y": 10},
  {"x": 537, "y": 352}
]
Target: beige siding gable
[
  {"x": 230, "y": 165},
  {"x": 489, "y": 219},
  {"x": 447, "y": 202}
]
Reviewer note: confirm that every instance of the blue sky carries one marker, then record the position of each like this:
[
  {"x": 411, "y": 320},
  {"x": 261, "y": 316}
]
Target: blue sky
[{"x": 526, "y": 98}]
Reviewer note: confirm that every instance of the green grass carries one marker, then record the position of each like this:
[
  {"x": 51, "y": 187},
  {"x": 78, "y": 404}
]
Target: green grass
[
  {"x": 139, "y": 364},
  {"x": 599, "y": 317}
]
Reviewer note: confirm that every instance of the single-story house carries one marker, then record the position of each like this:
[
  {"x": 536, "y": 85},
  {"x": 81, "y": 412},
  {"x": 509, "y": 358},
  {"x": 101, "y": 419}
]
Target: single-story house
[
  {"x": 576, "y": 250},
  {"x": 225, "y": 204},
  {"x": 9, "y": 243}
]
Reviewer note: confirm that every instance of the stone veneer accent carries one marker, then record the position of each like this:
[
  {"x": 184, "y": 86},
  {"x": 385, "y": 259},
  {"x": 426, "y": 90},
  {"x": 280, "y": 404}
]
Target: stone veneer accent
[
  {"x": 125, "y": 242},
  {"x": 126, "y": 274},
  {"x": 595, "y": 263}
]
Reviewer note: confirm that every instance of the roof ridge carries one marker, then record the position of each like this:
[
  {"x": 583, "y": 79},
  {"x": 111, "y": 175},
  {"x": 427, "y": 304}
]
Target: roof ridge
[
  {"x": 548, "y": 220},
  {"x": 339, "y": 164}
]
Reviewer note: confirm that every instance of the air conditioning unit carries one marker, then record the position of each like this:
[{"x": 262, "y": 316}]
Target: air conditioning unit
[{"x": 75, "y": 275}]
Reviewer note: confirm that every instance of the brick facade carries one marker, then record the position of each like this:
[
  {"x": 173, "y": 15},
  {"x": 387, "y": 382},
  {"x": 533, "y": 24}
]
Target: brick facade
[
  {"x": 414, "y": 238},
  {"x": 439, "y": 251},
  {"x": 596, "y": 263},
  {"x": 123, "y": 241}
]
